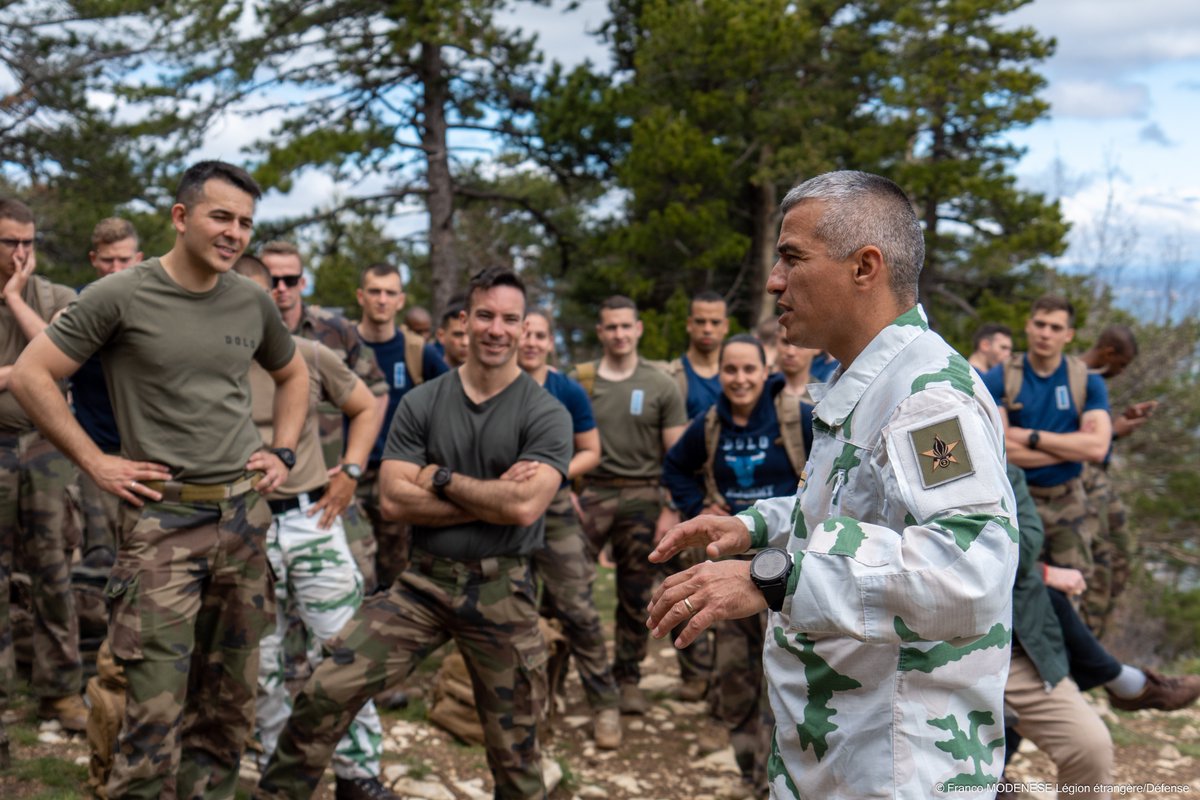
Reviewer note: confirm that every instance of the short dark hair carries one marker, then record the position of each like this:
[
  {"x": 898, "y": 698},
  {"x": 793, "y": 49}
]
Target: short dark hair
[
  {"x": 489, "y": 278},
  {"x": 1054, "y": 302},
  {"x": 15, "y": 210},
  {"x": 379, "y": 270},
  {"x": 987, "y": 330},
  {"x": 618, "y": 301},
  {"x": 743, "y": 338},
  {"x": 200, "y": 173},
  {"x": 452, "y": 312},
  {"x": 707, "y": 296},
  {"x": 1120, "y": 338},
  {"x": 252, "y": 267}
]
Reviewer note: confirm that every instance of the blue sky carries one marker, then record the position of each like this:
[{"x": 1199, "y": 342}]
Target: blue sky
[{"x": 1123, "y": 133}]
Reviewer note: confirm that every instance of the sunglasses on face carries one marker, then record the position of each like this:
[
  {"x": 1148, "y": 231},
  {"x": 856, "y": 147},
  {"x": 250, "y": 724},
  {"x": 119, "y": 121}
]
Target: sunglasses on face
[
  {"x": 13, "y": 244},
  {"x": 290, "y": 281}
]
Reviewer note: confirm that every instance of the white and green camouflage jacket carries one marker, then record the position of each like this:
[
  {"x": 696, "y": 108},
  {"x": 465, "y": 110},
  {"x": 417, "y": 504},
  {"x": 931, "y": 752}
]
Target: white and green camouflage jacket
[{"x": 886, "y": 666}]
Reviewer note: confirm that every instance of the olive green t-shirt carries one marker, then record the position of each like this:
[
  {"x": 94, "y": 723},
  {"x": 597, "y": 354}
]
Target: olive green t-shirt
[
  {"x": 436, "y": 423},
  {"x": 631, "y": 415},
  {"x": 328, "y": 379},
  {"x": 176, "y": 363},
  {"x": 46, "y": 299}
]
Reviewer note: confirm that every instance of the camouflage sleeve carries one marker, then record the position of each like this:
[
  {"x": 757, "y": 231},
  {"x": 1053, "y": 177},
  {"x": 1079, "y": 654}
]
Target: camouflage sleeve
[
  {"x": 362, "y": 361},
  {"x": 770, "y": 522},
  {"x": 949, "y": 573}
]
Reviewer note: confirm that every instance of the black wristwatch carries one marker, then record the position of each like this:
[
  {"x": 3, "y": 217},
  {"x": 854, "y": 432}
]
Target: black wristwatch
[
  {"x": 352, "y": 471},
  {"x": 770, "y": 570},
  {"x": 1034, "y": 436},
  {"x": 441, "y": 479},
  {"x": 288, "y": 457}
]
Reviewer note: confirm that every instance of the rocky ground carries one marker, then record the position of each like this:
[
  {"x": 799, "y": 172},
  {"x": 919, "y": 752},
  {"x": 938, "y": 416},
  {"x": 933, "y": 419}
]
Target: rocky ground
[{"x": 664, "y": 755}]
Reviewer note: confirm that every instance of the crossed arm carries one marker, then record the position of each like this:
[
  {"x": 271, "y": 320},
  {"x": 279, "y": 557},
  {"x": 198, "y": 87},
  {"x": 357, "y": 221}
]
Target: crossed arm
[
  {"x": 518, "y": 497},
  {"x": 1089, "y": 443}
]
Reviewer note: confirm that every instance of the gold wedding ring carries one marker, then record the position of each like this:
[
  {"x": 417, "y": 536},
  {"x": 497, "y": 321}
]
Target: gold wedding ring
[{"x": 687, "y": 603}]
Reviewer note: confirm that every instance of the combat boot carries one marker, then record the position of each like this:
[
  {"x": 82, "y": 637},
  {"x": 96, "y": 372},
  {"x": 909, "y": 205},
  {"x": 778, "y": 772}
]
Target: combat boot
[
  {"x": 70, "y": 712},
  {"x": 633, "y": 701},
  {"x": 362, "y": 789},
  {"x": 606, "y": 728},
  {"x": 1164, "y": 692},
  {"x": 694, "y": 690}
]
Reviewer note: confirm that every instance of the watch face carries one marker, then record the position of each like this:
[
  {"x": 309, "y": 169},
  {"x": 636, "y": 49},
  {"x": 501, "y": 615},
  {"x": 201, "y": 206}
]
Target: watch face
[
  {"x": 286, "y": 456},
  {"x": 353, "y": 470},
  {"x": 442, "y": 476},
  {"x": 771, "y": 564}
]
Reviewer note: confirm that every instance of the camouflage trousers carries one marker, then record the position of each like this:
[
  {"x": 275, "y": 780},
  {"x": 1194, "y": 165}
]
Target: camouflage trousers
[
  {"x": 190, "y": 597},
  {"x": 101, "y": 516},
  {"x": 568, "y": 571},
  {"x": 1073, "y": 526},
  {"x": 36, "y": 533},
  {"x": 1113, "y": 550},
  {"x": 315, "y": 576},
  {"x": 625, "y": 516},
  {"x": 359, "y": 535},
  {"x": 391, "y": 537},
  {"x": 488, "y": 608},
  {"x": 739, "y": 697}
]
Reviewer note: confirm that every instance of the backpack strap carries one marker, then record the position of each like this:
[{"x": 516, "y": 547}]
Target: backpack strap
[
  {"x": 712, "y": 443},
  {"x": 790, "y": 414},
  {"x": 1077, "y": 377},
  {"x": 1014, "y": 376},
  {"x": 585, "y": 373},
  {"x": 414, "y": 357},
  {"x": 675, "y": 370}
]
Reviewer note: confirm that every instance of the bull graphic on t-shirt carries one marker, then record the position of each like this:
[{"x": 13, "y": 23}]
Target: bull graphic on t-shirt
[{"x": 744, "y": 466}]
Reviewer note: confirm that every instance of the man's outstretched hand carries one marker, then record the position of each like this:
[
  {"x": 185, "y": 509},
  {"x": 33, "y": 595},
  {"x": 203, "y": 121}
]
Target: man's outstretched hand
[
  {"x": 719, "y": 536},
  {"x": 706, "y": 593}
]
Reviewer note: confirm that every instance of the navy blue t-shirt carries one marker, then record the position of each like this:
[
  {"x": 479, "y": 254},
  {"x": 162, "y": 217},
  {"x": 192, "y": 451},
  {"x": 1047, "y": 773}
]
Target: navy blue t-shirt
[
  {"x": 701, "y": 392},
  {"x": 823, "y": 365},
  {"x": 1047, "y": 405},
  {"x": 751, "y": 465},
  {"x": 573, "y": 396},
  {"x": 389, "y": 356},
  {"x": 93, "y": 407}
]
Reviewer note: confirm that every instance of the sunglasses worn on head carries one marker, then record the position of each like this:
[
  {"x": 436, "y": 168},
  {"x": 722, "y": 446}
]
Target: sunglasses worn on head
[{"x": 291, "y": 281}]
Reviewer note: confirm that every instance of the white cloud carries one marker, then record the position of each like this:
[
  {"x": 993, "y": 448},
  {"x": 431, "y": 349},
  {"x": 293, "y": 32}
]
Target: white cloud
[
  {"x": 1110, "y": 37},
  {"x": 1097, "y": 99},
  {"x": 1151, "y": 214}
]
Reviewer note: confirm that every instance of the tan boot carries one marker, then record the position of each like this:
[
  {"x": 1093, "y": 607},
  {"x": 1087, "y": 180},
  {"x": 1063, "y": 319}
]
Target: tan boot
[
  {"x": 606, "y": 728},
  {"x": 70, "y": 712},
  {"x": 633, "y": 701}
]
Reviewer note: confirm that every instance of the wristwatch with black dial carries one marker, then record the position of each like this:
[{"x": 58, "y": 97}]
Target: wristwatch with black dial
[
  {"x": 770, "y": 570},
  {"x": 441, "y": 479},
  {"x": 288, "y": 457},
  {"x": 1034, "y": 436}
]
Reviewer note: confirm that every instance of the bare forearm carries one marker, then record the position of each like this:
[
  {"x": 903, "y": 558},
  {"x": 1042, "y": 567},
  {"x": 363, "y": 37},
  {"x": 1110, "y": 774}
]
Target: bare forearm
[
  {"x": 1079, "y": 446},
  {"x": 39, "y": 395},
  {"x": 406, "y": 502},
  {"x": 582, "y": 463},
  {"x": 499, "y": 502},
  {"x": 27, "y": 319},
  {"x": 1025, "y": 458},
  {"x": 360, "y": 436}
]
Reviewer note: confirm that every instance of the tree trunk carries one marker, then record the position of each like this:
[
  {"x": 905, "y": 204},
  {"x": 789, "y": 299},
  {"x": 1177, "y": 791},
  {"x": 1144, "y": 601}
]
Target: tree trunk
[
  {"x": 765, "y": 221},
  {"x": 444, "y": 263}
]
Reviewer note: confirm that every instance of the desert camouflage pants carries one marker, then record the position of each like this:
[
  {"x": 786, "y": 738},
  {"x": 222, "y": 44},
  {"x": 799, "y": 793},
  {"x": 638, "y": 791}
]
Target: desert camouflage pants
[
  {"x": 190, "y": 597},
  {"x": 391, "y": 537},
  {"x": 1113, "y": 550},
  {"x": 1073, "y": 526},
  {"x": 488, "y": 608},
  {"x": 568, "y": 571},
  {"x": 625, "y": 517},
  {"x": 315, "y": 577},
  {"x": 34, "y": 532},
  {"x": 739, "y": 697}
]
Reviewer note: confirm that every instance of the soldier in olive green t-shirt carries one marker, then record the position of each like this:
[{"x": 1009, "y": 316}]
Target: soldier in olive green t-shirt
[
  {"x": 190, "y": 593},
  {"x": 640, "y": 414},
  {"x": 34, "y": 477}
]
